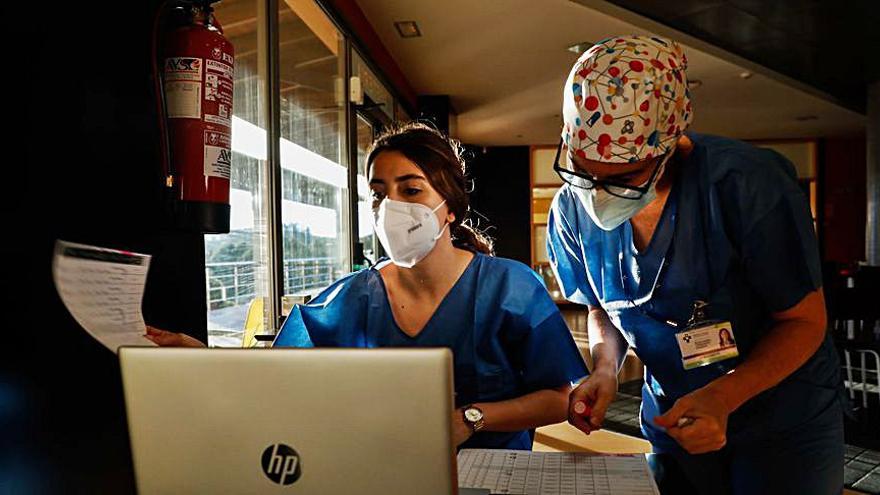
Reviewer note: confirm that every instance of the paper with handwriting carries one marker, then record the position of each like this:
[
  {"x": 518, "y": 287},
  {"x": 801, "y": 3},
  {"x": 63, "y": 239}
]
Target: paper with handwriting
[{"x": 103, "y": 290}]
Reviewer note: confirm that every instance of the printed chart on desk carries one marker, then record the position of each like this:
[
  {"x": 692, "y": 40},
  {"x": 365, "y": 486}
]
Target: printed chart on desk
[{"x": 558, "y": 473}]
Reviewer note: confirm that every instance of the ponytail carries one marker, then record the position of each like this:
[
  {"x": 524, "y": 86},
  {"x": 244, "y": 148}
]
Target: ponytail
[{"x": 465, "y": 236}]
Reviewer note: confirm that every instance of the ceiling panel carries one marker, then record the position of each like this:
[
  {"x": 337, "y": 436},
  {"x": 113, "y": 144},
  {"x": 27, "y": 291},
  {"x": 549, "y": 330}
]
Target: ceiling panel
[
  {"x": 786, "y": 36},
  {"x": 504, "y": 62}
]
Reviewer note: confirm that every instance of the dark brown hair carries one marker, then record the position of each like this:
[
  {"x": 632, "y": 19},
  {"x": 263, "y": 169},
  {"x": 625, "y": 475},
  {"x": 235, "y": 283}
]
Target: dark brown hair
[{"x": 440, "y": 158}]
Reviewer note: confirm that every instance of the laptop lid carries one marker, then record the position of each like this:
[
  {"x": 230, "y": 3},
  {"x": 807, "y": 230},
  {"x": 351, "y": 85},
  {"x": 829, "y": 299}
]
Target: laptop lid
[{"x": 299, "y": 421}]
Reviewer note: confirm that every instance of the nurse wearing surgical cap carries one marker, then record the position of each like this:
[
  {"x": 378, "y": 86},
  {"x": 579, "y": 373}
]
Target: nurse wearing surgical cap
[{"x": 672, "y": 238}]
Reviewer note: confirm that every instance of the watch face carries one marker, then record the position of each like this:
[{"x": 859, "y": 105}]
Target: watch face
[{"x": 473, "y": 415}]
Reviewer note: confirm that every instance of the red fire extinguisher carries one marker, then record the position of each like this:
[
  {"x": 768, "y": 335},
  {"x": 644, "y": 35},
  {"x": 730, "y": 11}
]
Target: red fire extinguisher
[{"x": 195, "y": 100}]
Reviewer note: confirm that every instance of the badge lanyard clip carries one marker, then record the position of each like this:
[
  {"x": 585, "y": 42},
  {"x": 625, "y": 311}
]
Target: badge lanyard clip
[
  {"x": 705, "y": 341},
  {"x": 699, "y": 313}
]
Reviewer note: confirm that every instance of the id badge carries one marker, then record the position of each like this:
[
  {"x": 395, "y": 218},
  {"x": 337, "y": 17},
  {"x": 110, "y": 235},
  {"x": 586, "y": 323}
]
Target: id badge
[{"x": 706, "y": 343}]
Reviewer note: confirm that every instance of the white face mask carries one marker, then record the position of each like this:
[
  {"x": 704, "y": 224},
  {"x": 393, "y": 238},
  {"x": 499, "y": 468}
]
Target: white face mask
[
  {"x": 407, "y": 231},
  {"x": 609, "y": 211}
]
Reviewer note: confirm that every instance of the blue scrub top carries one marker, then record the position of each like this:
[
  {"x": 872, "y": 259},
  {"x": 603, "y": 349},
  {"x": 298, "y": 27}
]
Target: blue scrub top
[
  {"x": 737, "y": 232},
  {"x": 506, "y": 335}
]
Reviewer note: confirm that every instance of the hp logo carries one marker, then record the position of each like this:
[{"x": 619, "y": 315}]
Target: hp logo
[{"x": 281, "y": 464}]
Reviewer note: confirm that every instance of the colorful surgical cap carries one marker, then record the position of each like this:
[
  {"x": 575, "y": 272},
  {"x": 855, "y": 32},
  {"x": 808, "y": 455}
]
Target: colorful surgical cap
[{"x": 626, "y": 100}]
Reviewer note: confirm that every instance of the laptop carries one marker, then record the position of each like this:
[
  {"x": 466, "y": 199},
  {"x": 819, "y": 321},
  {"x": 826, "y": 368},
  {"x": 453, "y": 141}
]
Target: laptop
[{"x": 297, "y": 421}]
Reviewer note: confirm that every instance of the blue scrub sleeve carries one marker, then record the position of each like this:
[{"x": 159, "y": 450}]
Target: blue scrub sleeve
[
  {"x": 781, "y": 256},
  {"x": 565, "y": 253},
  {"x": 293, "y": 332},
  {"x": 543, "y": 350},
  {"x": 778, "y": 241},
  {"x": 335, "y": 318}
]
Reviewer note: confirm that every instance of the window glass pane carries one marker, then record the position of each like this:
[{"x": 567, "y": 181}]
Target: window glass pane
[
  {"x": 365, "y": 134},
  {"x": 372, "y": 86},
  {"x": 314, "y": 177},
  {"x": 236, "y": 263}
]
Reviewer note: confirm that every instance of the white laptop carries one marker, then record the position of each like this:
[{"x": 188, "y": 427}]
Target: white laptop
[{"x": 290, "y": 421}]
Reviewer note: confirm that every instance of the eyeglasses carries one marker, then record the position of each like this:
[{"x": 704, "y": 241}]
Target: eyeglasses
[{"x": 615, "y": 188}]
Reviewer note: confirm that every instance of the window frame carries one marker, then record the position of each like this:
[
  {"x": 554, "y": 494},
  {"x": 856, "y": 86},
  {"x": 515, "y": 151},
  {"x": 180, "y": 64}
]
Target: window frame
[{"x": 269, "y": 56}]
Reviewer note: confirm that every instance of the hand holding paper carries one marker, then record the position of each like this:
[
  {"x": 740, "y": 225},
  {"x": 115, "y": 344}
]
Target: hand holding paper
[{"x": 103, "y": 289}]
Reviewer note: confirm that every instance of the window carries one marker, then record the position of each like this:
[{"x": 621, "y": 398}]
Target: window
[
  {"x": 377, "y": 99},
  {"x": 235, "y": 263},
  {"x": 365, "y": 134},
  {"x": 315, "y": 198},
  {"x": 376, "y": 111},
  {"x": 307, "y": 244}
]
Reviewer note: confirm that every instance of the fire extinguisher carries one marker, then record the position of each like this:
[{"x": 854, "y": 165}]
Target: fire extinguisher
[{"x": 194, "y": 95}]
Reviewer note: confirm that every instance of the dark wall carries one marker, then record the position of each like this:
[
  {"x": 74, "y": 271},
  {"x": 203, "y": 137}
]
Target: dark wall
[
  {"x": 437, "y": 109},
  {"x": 82, "y": 167},
  {"x": 501, "y": 196},
  {"x": 844, "y": 168}
]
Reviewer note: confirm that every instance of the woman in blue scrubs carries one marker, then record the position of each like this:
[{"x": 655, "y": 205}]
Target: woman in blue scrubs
[
  {"x": 514, "y": 357},
  {"x": 672, "y": 239}
]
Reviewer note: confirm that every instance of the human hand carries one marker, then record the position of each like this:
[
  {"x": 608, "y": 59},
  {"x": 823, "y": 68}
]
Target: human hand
[
  {"x": 163, "y": 338},
  {"x": 588, "y": 402},
  {"x": 461, "y": 431},
  {"x": 697, "y": 421}
]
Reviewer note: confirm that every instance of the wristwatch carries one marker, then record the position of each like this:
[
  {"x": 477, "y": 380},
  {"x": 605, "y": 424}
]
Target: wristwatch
[{"x": 473, "y": 416}]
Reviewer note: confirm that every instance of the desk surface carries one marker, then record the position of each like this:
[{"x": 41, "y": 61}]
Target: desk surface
[{"x": 563, "y": 437}]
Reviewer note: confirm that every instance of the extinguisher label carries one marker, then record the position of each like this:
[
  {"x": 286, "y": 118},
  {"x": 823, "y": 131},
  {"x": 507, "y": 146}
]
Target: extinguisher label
[
  {"x": 183, "y": 99},
  {"x": 217, "y": 119},
  {"x": 219, "y": 67},
  {"x": 183, "y": 87},
  {"x": 218, "y": 155},
  {"x": 218, "y": 91}
]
